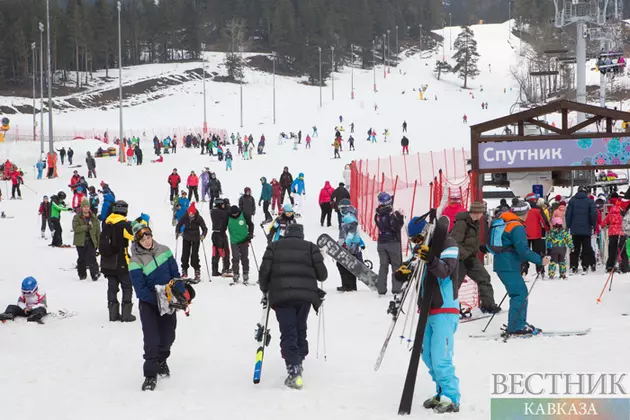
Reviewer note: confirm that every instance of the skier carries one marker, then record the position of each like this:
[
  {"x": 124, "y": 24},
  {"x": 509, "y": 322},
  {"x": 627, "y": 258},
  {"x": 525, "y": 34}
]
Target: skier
[
  {"x": 389, "y": 224},
  {"x": 466, "y": 234},
  {"x": 437, "y": 346},
  {"x": 57, "y": 206},
  {"x": 279, "y": 226},
  {"x": 70, "y": 155},
  {"x": 339, "y": 194},
  {"x": 173, "y": 181},
  {"x": 108, "y": 201},
  {"x": 265, "y": 198},
  {"x": 62, "y": 154},
  {"x": 288, "y": 279},
  {"x": 44, "y": 212},
  {"x": 77, "y": 198},
  {"x": 557, "y": 241},
  {"x": 286, "y": 182},
  {"x": 94, "y": 201},
  {"x": 325, "y": 199},
  {"x": 507, "y": 265},
  {"x": 351, "y": 143},
  {"x": 536, "y": 225},
  {"x": 220, "y": 246},
  {"x": 308, "y": 142},
  {"x": 193, "y": 186},
  {"x": 298, "y": 188},
  {"x": 188, "y": 228},
  {"x": 300, "y": 137},
  {"x": 404, "y": 126},
  {"x": 337, "y": 146},
  {"x": 91, "y": 165},
  {"x": 614, "y": 222},
  {"x": 228, "y": 160},
  {"x": 315, "y": 131},
  {"x": 205, "y": 180},
  {"x": 465, "y": 119},
  {"x": 152, "y": 265},
  {"x": 215, "y": 188},
  {"x": 113, "y": 248},
  {"x": 340, "y": 119},
  {"x": 87, "y": 235},
  {"x": 16, "y": 181},
  {"x": 405, "y": 145},
  {"x": 40, "y": 166},
  {"x": 276, "y": 202},
  {"x": 241, "y": 231},
  {"x": 174, "y": 144},
  {"x": 31, "y": 303},
  {"x": 130, "y": 155},
  {"x": 352, "y": 128},
  {"x": 247, "y": 204},
  {"x": 180, "y": 207},
  {"x": 350, "y": 239}
]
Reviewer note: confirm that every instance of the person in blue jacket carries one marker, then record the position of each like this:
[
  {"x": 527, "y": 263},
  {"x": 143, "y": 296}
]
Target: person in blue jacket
[
  {"x": 40, "y": 165},
  {"x": 438, "y": 343},
  {"x": 350, "y": 239},
  {"x": 181, "y": 205},
  {"x": 581, "y": 220},
  {"x": 108, "y": 201},
  {"x": 507, "y": 265},
  {"x": 298, "y": 190}
]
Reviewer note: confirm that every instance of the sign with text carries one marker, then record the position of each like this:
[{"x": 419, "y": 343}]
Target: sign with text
[{"x": 599, "y": 152}]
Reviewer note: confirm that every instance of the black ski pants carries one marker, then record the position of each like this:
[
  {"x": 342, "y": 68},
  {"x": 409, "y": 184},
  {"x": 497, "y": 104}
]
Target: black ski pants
[
  {"x": 124, "y": 281},
  {"x": 240, "y": 254},
  {"x": 86, "y": 258},
  {"x": 582, "y": 250},
  {"x": 190, "y": 252},
  {"x": 174, "y": 193},
  {"x": 158, "y": 332},
  {"x": 617, "y": 248},
  {"x": 539, "y": 247},
  {"x": 45, "y": 222},
  {"x": 220, "y": 251},
  {"x": 15, "y": 188},
  {"x": 265, "y": 205},
  {"x": 17, "y": 311},
  {"x": 326, "y": 213},
  {"x": 286, "y": 190},
  {"x": 472, "y": 267},
  {"x": 348, "y": 280},
  {"x": 195, "y": 191},
  {"x": 292, "y": 318},
  {"x": 56, "y": 227}
]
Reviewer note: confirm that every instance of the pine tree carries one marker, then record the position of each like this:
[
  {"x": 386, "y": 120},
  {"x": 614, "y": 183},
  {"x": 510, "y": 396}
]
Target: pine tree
[
  {"x": 441, "y": 67},
  {"x": 466, "y": 55}
]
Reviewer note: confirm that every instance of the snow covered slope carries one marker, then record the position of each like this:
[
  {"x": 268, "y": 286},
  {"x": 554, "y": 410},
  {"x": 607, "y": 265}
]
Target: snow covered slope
[{"x": 86, "y": 367}]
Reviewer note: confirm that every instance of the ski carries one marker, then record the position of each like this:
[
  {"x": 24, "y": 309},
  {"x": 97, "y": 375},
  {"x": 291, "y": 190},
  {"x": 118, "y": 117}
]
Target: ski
[
  {"x": 347, "y": 260},
  {"x": 428, "y": 284},
  {"x": 543, "y": 333},
  {"x": 262, "y": 339},
  {"x": 474, "y": 318}
]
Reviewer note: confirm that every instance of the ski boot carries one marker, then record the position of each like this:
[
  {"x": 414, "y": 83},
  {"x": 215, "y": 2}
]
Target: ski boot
[
  {"x": 527, "y": 330},
  {"x": 184, "y": 274},
  {"x": 82, "y": 277},
  {"x": 126, "y": 315},
  {"x": 446, "y": 406},
  {"x": 216, "y": 274},
  {"x": 36, "y": 318},
  {"x": 432, "y": 402},
  {"x": 491, "y": 309},
  {"x": 197, "y": 278},
  {"x": 114, "y": 311},
  {"x": 294, "y": 380},
  {"x": 164, "y": 370},
  {"x": 235, "y": 278},
  {"x": 6, "y": 317},
  {"x": 149, "y": 383},
  {"x": 246, "y": 279},
  {"x": 465, "y": 313},
  {"x": 96, "y": 277},
  {"x": 563, "y": 276}
]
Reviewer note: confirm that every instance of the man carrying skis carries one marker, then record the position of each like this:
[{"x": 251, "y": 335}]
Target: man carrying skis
[
  {"x": 437, "y": 346},
  {"x": 220, "y": 245},
  {"x": 511, "y": 251},
  {"x": 265, "y": 198},
  {"x": 188, "y": 227},
  {"x": 241, "y": 231},
  {"x": 288, "y": 277},
  {"x": 466, "y": 234}
]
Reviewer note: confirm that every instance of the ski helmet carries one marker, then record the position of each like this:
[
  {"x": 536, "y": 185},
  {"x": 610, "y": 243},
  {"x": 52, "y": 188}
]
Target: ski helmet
[
  {"x": 219, "y": 202},
  {"x": 417, "y": 228},
  {"x": 343, "y": 205},
  {"x": 287, "y": 208},
  {"x": 384, "y": 199},
  {"x": 61, "y": 195},
  {"x": 29, "y": 285},
  {"x": 120, "y": 207}
]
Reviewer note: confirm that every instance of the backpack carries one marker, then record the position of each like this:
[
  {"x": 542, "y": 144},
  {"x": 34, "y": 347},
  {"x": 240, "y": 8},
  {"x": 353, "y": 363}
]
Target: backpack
[
  {"x": 106, "y": 246},
  {"x": 495, "y": 235}
]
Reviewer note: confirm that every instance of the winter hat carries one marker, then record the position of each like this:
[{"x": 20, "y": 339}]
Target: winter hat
[
  {"x": 563, "y": 203},
  {"x": 521, "y": 208},
  {"x": 235, "y": 210},
  {"x": 45, "y": 197},
  {"x": 341, "y": 184},
  {"x": 530, "y": 197},
  {"x": 556, "y": 221},
  {"x": 247, "y": 190},
  {"x": 192, "y": 209},
  {"x": 136, "y": 227},
  {"x": 85, "y": 203},
  {"x": 558, "y": 197},
  {"x": 103, "y": 184},
  {"x": 287, "y": 208},
  {"x": 295, "y": 230},
  {"x": 477, "y": 207}
]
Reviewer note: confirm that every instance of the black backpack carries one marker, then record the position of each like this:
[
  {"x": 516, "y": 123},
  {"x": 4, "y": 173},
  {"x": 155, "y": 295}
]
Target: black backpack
[{"x": 106, "y": 245}]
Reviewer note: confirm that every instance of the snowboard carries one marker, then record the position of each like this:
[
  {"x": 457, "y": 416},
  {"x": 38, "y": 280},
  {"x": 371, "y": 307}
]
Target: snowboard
[
  {"x": 501, "y": 336},
  {"x": 428, "y": 286},
  {"x": 347, "y": 260}
]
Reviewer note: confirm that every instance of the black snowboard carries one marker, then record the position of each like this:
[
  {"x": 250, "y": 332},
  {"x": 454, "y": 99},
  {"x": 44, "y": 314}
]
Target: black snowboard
[
  {"x": 347, "y": 260},
  {"x": 430, "y": 282}
]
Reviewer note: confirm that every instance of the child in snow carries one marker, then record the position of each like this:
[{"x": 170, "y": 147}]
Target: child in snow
[
  {"x": 44, "y": 212},
  {"x": 180, "y": 206},
  {"x": 77, "y": 198},
  {"x": 614, "y": 222},
  {"x": 31, "y": 304},
  {"x": 350, "y": 239},
  {"x": 94, "y": 200},
  {"x": 228, "y": 160},
  {"x": 558, "y": 240},
  {"x": 279, "y": 226},
  {"x": 40, "y": 165}
]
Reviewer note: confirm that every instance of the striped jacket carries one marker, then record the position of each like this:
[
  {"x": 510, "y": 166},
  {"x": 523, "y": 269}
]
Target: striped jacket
[
  {"x": 445, "y": 296},
  {"x": 149, "y": 268}
]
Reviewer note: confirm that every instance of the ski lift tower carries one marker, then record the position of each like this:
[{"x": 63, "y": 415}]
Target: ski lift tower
[{"x": 583, "y": 13}]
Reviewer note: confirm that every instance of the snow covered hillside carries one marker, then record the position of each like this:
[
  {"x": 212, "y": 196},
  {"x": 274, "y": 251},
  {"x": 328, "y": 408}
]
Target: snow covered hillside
[{"x": 88, "y": 368}]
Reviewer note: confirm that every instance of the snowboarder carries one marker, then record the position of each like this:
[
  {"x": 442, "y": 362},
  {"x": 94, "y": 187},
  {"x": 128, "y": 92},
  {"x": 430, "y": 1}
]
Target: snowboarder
[
  {"x": 44, "y": 212},
  {"x": 241, "y": 231},
  {"x": 286, "y": 181},
  {"x": 188, "y": 227},
  {"x": 173, "y": 181},
  {"x": 558, "y": 240},
  {"x": 57, "y": 206},
  {"x": 220, "y": 245},
  {"x": 247, "y": 204},
  {"x": 350, "y": 239},
  {"x": 193, "y": 186},
  {"x": 297, "y": 188},
  {"x": 325, "y": 198},
  {"x": 389, "y": 224},
  {"x": 87, "y": 234},
  {"x": 405, "y": 145},
  {"x": 288, "y": 279},
  {"x": 279, "y": 226},
  {"x": 265, "y": 198},
  {"x": 31, "y": 303}
]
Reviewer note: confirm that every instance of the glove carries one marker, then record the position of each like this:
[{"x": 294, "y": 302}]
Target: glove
[
  {"x": 424, "y": 253},
  {"x": 249, "y": 237},
  {"x": 263, "y": 301},
  {"x": 483, "y": 249},
  {"x": 202, "y": 237},
  {"x": 403, "y": 273}
]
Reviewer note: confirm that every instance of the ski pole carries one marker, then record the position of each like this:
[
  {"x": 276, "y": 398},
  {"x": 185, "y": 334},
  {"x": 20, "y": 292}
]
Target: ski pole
[
  {"x": 492, "y": 317},
  {"x": 32, "y": 190},
  {"x": 254, "y": 256},
  {"x": 205, "y": 257},
  {"x": 612, "y": 271},
  {"x": 176, "y": 243},
  {"x": 507, "y": 328}
]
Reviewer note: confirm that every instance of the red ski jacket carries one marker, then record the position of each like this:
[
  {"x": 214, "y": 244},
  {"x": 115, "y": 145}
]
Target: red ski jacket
[
  {"x": 614, "y": 221},
  {"x": 535, "y": 224},
  {"x": 193, "y": 181},
  {"x": 174, "y": 180}
]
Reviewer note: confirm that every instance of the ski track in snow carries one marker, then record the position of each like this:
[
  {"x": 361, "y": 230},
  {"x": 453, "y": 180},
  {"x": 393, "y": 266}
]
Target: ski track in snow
[{"x": 86, "y": 367}]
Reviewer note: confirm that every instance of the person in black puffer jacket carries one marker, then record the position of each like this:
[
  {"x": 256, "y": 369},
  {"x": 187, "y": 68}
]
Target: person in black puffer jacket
[
  {"x": 189, "y": 227},
  {"x": 247, "y": 204},
  {"x": 288, "y": 276},
  {"x": 581, "y": 219}
]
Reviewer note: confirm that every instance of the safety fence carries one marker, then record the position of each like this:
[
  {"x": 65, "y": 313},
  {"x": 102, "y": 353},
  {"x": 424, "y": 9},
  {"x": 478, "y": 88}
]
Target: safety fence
[{"x": 416, "y": 182}]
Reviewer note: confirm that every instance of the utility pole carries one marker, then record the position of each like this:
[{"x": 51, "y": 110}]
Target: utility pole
[
  {"x": 34, "y": 48},
  {"x": 397, "y": 50},
  {"x": 374, "y": 63},
  {"x": 319, "y": 49},
  {"x": 384, "y": 58},
  {"x": 389, "y": 53},
  {"x": 332, "y": 70},
  {"x": 41, "y": 86},
  {"x": 450, "y": 30},
  {"x": 205, "y": 115},
  {"x": 241, "y": 85},
  {"x": 420, "y": 40},
  {"x": 273, "y": 53},
  {"x": 351, "y": 71},
  {"x": 51, "y": 146},
  {"x": 121, "y": 158}
]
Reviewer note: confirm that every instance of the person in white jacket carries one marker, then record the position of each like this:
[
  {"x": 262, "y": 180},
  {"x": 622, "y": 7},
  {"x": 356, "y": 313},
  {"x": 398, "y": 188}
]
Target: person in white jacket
[
  {"x": 31, "y": 303},
  {"x": 346, "y": 177}
]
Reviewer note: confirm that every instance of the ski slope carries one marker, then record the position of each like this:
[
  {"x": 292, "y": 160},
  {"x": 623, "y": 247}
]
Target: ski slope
[{"x": 86, "y": 367}]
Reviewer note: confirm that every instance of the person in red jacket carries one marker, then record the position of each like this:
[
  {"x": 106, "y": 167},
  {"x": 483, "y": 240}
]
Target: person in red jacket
[
  {"x": 536, "y": 224},
  {"x": 173, "y": 181},
  {"x": 325, "y": 197},
  {"x": 193, "y": 186},
  {"x": 276, "y": 203},
  {"x": 130, "y": 155},
  {"x": 77, "y": 198},
  {"x": 614, "y": 222},
  {"x": 454, "y": 206},
  {"x": 16, "y": 181},
  {"x": 44, "y": 212},
  {"x": 74, "y": 181}
]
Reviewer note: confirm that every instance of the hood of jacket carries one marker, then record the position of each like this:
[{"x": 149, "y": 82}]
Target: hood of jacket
[
  {"x": 112, "y": 219},
  {"x": 581, "y": 195},
  {"x": 465, "y": 216}
]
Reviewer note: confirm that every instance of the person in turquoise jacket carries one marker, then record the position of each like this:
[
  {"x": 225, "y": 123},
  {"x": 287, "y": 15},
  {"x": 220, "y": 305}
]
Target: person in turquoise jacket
[
  {"x": 40, "y": 165},
  {"x": 265, "y": 198},
  {"x": 181, "y": 207},
  {"x": 507, "y": 265},
  {"x": 298, "y": 190}
]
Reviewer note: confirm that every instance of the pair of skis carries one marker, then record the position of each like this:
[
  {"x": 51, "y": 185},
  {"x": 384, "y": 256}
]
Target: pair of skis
[{"x": 263, "y": 337}]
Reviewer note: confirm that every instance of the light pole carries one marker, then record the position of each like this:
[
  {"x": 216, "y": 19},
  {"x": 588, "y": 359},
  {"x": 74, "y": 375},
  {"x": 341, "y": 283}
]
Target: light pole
[
  {"x": 374, "y": 62},
  {"x": 450, "y": 30},
  {"x": 41, "y": 86},
  {"x": 205, "y": 115},
  {"x": 51, "y": 147},
  {"x": 351, "y": 71},
  {"x": 241, "y": 86},
  {"x": 319, "y": 49},
  {"x": 389, "y": 53},
  {"x": 420, "y": 40},
  {"x": 332, "y": 70},
  {"x": 274, "y": 86},
  {"x": 384, "y": 65},
  {"x": 397, "y": 51},
  {"x": 33, "y": 47},
  {"x": 121, "y": 158}
]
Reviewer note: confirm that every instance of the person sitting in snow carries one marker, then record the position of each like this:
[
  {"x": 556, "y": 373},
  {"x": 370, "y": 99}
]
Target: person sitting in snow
[{"x": 31, "y": 304}]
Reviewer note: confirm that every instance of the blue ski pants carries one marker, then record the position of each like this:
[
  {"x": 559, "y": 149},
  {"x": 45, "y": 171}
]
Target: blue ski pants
[
  {"x": 292, "y": 317},
  {"x": 517, "y": 290},
  {"x": 437, "y": 354}
]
